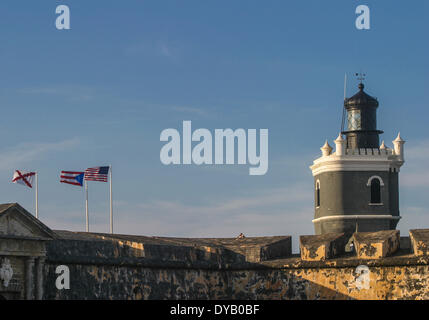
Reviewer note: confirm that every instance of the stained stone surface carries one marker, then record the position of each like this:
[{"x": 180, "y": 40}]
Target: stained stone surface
[
  {"x": 420, "y": 241},
  {"x": 376, "y": 245},
  {"x": 322, "y": 247}
]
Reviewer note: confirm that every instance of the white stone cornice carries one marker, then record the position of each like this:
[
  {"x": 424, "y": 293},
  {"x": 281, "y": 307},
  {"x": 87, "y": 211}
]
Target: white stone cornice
[
  {"x": 357, "y": 161},
  {"x": 350, "y": 165},
  {"x": 354, "y": 217}
]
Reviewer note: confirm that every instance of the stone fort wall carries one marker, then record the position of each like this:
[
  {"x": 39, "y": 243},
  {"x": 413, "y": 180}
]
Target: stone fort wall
[
  {"x": 111, "y": 267},
  {"x": 104, "y": 281}
]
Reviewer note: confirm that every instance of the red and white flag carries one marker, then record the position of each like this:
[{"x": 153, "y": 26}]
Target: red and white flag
[
  {"x": 97, "y": 174},
  {"x": 23, "y": 177},
  {"x": 72, "y": 177}
]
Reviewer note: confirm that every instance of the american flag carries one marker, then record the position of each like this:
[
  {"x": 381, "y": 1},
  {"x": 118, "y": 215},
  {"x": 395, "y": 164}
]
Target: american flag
[
  {"x": 72, "y": 177},
  {"x": 97, "y": 174}
]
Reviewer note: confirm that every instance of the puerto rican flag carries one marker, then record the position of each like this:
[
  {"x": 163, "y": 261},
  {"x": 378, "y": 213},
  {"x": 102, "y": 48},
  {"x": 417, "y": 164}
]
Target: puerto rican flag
[
  {"x": 23, "y": 177},
  {"x": 72, "y": 177}
]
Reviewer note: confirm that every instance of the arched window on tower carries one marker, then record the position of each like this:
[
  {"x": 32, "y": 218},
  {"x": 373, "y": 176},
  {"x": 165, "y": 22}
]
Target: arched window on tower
[
  {"x": 375, "y": 183},
  {"x": 317, "y": 193},
  {"x": 375, "y": 191}
]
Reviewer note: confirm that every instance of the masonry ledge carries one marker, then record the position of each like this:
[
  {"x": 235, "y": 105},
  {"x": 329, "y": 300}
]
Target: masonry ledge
[{"x": 401, "y": 258}]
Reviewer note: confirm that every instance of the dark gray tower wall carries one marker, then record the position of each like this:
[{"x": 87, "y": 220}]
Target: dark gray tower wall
[
  {"x": 346, "y": 193},
  {"x": 394, "y": 194}
]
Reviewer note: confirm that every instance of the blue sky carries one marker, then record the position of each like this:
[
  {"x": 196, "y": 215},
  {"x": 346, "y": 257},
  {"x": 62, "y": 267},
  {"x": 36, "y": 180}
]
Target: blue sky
[{"x": 102, "y": 92}]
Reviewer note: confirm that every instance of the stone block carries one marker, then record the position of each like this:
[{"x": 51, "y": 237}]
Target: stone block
[
  {"x": 376, "y": 245},
  {"x": 277, "y": 250},
  {"x": 322, "y": 247},
  {"x": 257, "y": 249},
  {"x": 420, "y": 241}
]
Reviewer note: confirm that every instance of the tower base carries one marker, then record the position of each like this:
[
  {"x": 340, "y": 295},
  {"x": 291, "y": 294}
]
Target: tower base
[{"x": 355, "y": 223}]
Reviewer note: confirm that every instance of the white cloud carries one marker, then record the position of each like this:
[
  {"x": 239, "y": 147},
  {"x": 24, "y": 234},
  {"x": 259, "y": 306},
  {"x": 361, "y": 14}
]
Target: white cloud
[
  {"x": 165, "y": 50},
  {"x": 190, "y": 110},
  {"x": 417, "y": 151},
  {"x": 414, "y": 172},
  {"x": 415, "y": 179},
  {"x": 71, "y": 92},
  {"x": 413, "y": 218},
  {"x": 160, "y": 48},
  {"x": 27, "y": 152}
]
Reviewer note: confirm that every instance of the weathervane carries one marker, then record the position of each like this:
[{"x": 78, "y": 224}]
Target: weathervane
[{"x": 360, "y": 76}]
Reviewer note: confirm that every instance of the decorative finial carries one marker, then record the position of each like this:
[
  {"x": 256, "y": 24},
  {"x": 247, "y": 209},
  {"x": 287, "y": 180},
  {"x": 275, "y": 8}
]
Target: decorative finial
[
  {"x": 398, "y": 147},
  {"x": 339, "y": 138},
  {"x": 326, "y": 149},
  {"x": 340, "y": 145},
  {"x": 383, "y": 146},
  {"x": 399, "y": 138}
]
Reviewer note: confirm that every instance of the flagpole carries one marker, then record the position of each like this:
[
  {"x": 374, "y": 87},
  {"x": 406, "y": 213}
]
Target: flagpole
[
  {"x": 37, "y": 195},
  {"x": 111, "y": 202},
  {"x": 86, "y": 205}
]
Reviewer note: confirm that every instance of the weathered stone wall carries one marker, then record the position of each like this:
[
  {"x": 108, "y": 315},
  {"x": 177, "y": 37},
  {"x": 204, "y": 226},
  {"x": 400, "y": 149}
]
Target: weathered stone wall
[
  {"x": 404, "y": 277},
  {"x": 133, "y": 267},
  {"x": 14, "y": 288}
]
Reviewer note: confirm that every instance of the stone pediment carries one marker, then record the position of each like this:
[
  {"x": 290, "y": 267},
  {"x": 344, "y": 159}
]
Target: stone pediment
[{"x": 16, "y": 222}]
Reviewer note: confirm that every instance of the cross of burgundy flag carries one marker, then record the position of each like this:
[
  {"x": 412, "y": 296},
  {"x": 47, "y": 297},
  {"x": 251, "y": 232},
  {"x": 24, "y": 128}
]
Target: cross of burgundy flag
[{"x": 23, "y": 177}]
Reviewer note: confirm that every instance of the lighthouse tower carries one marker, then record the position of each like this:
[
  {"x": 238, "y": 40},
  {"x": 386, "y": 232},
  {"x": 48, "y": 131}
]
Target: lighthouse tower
[{"x": 356, "y": 185}]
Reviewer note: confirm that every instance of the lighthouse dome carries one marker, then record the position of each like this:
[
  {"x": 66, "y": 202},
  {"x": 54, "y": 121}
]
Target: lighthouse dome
[{"x": 360, "y": 99}]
